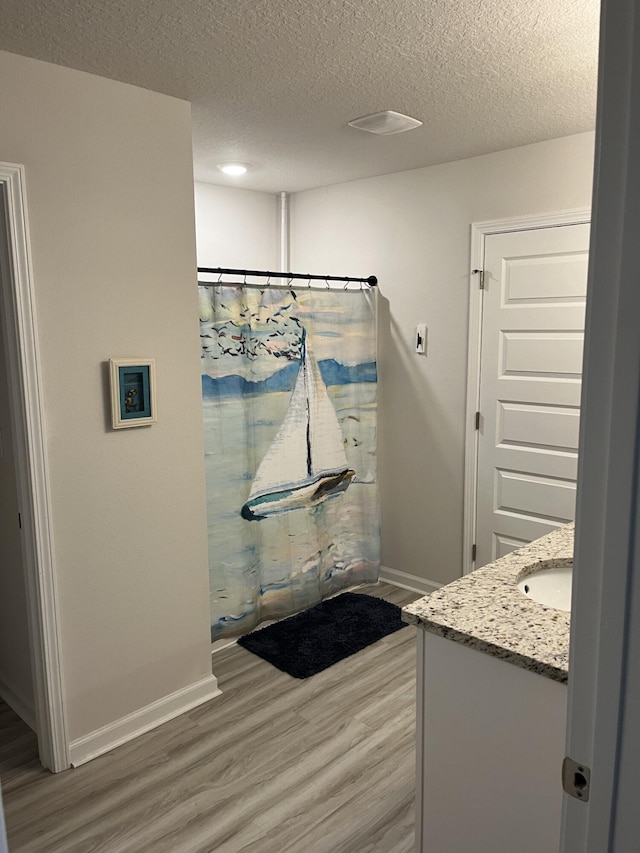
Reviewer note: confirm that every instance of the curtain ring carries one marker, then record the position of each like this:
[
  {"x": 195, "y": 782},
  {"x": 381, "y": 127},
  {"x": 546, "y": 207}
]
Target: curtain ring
[
  {"x": 269, "y": 280},
  {"x": 326, "y": 281},
  {"x": 346, "y": 285},
  {"x": 309, "y": 283},
  {"x": 245, "y": 280},
  {"x": 219, "y": 278}
]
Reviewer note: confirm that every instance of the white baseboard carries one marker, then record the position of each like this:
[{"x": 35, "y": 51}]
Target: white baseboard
[
  {"x": 143, "y": 720},
  {"x": 414, "y": 583},
  {"x": 18, "y": 702}
]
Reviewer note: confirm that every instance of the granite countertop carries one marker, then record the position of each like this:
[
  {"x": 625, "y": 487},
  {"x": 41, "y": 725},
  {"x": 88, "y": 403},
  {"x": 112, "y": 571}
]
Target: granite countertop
[{"x": 486, "y": 611}]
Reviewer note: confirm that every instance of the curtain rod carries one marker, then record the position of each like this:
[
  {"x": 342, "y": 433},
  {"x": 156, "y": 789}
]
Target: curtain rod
[{"x": 371, "y": 280}]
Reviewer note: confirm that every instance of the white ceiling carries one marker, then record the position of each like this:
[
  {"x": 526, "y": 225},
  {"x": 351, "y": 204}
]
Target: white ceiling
[{"x": 274, "y": 82}]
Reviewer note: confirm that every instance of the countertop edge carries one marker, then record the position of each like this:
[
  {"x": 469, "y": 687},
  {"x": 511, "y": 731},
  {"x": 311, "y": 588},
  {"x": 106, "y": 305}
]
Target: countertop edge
[
  {"x": 527, "y": 662},
  {"x": 484, "y": 610}
]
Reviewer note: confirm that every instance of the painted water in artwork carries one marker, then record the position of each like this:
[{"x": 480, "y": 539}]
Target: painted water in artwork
[{"x": 289, "y": 406}]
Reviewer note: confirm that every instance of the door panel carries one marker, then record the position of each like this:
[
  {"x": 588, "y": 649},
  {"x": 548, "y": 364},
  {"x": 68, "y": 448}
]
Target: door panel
[
  {"x": 504, "y": 545},
  {"x": 556, "y": 354},
  {"x": 530, "y": 378},
  {"x": 538, "y": 426},
  {"x": 530, "y": 496},
  {"x": 545, "y": 279}
]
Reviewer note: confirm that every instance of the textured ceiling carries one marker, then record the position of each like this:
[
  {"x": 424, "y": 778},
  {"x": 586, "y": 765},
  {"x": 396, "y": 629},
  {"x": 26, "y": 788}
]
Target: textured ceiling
[{"x": 274, "y": 82}]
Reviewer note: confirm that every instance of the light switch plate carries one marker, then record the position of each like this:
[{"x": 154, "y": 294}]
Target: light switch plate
[{"x": 421, "y": 338}]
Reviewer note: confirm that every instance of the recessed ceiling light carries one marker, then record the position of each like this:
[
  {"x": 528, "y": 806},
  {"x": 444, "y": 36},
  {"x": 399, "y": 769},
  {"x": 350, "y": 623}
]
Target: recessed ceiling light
[
  {"x": 233, "y": 168},
  {"x": 385, "y": 123}
]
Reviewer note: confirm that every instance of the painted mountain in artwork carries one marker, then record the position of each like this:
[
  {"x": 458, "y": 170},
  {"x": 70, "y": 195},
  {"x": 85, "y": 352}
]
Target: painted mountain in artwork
[{"x": 332, "y": 372}]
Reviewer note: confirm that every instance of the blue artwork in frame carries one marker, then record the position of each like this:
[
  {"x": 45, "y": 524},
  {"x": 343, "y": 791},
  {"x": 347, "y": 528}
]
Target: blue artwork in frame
[
  {"x": 132, "y": 392},
  {"x": 135, "y": 399}
]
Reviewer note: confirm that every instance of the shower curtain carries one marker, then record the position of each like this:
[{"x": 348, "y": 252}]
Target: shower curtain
[{"x": 289, "y": 405}]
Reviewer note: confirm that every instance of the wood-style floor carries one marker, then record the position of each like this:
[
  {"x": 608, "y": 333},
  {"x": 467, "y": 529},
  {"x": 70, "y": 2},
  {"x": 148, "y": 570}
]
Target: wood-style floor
[{"x": 274, "y": 765}]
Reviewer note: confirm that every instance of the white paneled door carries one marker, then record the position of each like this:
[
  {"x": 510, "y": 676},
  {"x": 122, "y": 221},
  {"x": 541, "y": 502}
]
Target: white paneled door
[{"x": 530, "y": 375}]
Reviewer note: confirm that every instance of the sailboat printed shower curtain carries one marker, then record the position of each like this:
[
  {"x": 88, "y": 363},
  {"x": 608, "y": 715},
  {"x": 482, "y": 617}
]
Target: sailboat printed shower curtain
[{"x": 289, "y": 406}]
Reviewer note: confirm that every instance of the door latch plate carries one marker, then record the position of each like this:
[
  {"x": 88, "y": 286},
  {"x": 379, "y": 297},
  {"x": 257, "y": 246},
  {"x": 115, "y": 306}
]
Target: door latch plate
[{"x": 576, "y": 779}]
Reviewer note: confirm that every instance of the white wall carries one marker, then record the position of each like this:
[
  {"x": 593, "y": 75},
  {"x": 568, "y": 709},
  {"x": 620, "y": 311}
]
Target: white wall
[
  {"x": 15, "y": 657},
  {"x": 412, "y": 230},
  {"x": 110, "y": 197},
  {"x": 236, "y": 228}
]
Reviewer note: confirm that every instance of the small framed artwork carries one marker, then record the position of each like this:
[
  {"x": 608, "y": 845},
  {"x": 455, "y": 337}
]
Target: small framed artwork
[{"x": 133, "y": 392}]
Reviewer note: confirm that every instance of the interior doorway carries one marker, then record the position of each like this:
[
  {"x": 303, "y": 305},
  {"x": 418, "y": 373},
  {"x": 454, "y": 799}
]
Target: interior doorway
[
  {"x": 31, "y": 534},
  {"x": 524, "y": 383},
  {"x": 16, "y": 677}
]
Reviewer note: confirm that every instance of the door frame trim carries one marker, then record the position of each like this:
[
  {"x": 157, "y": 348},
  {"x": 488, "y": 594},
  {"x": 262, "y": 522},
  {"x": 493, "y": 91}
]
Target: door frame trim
[
  {"x": 480, "y": 230},
  {"x": 32, "y": 468}
]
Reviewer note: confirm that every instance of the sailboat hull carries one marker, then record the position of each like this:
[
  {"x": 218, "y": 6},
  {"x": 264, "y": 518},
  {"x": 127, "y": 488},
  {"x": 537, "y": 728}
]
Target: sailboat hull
[{"x": 308, "y": 493}]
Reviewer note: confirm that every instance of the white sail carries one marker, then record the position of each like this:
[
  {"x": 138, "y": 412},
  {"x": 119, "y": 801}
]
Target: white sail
[
  {"x": 325, "y": 435},
  {"x": 286, "y": 461},
  {"x": 306, "y": 463}
]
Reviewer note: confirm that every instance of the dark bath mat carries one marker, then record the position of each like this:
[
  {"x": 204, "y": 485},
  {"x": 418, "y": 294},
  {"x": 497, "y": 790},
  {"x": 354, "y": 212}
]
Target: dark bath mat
[{"x": 315, "y": 639}]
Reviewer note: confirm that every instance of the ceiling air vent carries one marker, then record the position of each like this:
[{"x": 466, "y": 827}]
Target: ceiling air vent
[{"x": 385, "y": 123}]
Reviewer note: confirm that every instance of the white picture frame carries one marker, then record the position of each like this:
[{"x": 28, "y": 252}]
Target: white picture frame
[{"x": 133, "y": 392}]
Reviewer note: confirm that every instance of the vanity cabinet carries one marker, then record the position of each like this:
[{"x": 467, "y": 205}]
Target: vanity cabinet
[{"x": 491, "y": 739}]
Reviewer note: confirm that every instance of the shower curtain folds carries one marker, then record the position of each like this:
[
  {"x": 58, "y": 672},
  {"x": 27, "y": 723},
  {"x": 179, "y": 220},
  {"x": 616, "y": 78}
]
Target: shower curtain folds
[{"x": 289, "y": 405}]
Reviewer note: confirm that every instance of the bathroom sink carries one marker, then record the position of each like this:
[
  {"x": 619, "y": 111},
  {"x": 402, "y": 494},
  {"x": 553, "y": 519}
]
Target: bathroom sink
[{"x": 549, "y": 586}]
